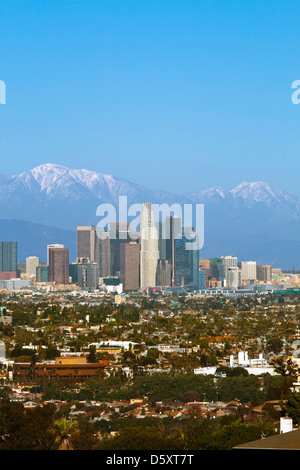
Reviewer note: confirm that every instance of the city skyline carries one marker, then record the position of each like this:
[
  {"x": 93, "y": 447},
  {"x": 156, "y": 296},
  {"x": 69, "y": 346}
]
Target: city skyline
[{"x": 159, "y": 260}]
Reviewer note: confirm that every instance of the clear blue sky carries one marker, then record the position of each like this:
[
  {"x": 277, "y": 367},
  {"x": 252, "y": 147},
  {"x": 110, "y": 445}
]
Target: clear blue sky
[{"x": 180, "y": 95}]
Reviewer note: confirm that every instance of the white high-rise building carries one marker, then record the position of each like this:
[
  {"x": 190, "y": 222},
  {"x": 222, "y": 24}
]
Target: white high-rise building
[
  {"x": 229, "y": 262},
  {"x": 233, "y": 277},
  {"x": 248, "y": 270},
  {"x": 149, "y": 253},
  {"x": 32, "y": 262}
]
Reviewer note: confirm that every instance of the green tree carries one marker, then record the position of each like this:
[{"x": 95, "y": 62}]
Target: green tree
[
  {"x": 274, "y": 345},
  {"x": 51, "y": 352},
  {"x": 64, "y": 430},
  {"x": 275, "y": 387},
  {"x": 25, "y": 429},
  {"x": 235, "y": 434},
  {"x": 246, "y": 389},
  {"x": 92, "y": 357},
  {"x": 285, "y": 367},
  {"x": 135, "y": 438},
  {"x": 292, "y": 406}
]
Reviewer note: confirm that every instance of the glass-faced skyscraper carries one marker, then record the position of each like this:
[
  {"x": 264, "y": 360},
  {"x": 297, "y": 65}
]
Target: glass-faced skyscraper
[
  {"x": 173, "y": 224},
  {"x": 120, "y": 232},
  {"x": 168, "y": 231},
  {"x": 187, "y": 261},
  {"x": 8, "y": 256}
]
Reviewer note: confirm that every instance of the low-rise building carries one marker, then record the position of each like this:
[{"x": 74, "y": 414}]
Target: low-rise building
[{"x": 65, "y": 369}]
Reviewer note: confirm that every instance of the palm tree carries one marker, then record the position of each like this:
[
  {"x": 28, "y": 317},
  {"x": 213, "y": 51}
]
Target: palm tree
[
  {"x": 181, "y": 435},
  {"x": 64, "y": 430}
]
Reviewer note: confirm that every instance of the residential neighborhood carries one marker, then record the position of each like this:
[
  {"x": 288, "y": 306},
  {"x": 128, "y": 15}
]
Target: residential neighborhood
[{"x": 152, "y": 360}]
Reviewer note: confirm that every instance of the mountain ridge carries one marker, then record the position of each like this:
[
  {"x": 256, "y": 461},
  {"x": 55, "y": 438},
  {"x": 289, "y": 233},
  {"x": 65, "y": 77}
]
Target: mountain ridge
[{"x": 49, "y": 177}]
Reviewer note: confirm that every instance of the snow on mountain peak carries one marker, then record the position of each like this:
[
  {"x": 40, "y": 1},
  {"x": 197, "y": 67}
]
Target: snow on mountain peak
[
  {"x": 55, "y": 180},
  {"x": 259, "y": 192},
  {"x": 217, "y": 190},
  {"x": 58, "y": 180}
]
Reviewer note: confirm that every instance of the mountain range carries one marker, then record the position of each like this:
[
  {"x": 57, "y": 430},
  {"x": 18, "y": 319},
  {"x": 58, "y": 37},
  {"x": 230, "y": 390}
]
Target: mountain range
[{"x": 44, "y": 205}]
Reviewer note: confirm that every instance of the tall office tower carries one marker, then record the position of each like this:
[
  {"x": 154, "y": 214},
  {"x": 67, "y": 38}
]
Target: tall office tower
[
  {"x": 248, "y": 270},
  {"x": 103, "y": 236},
  {"x": 161, "y": 230},
  {"x": 53, "y": 245},
  {"x": 164, "y": 273},
  {"x": 217, "y": 269},
  {"x": 187, "y": 262},
  {"x": 174, "y": 231},
  {"x": 8, "y": 256},
  {"x": 32, "y": 263},
  {"x": 264, "y": 273},
  {"x": 149, "y": 247},
  {"x": 87, "y": 243},
  {"x": 234, "y": 277},
  {"x": 59, "y": 265},
  {"x": 104, "y": 257},
  {"x": 119, "y": 235},
  {"x": 129, "y": 265},
  {"x": 88, "y": 274},
  {"x": 228, "y": 262}
]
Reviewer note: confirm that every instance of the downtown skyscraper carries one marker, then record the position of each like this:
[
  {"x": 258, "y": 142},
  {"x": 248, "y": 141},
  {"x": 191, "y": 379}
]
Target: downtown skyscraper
[
  {"x": 119, "y": 235},
  {"x": 87, "y": 243},
  {"x": 8, "y": 256},
  {"x": 187, "y": 260},
  {"x": 169, "y": 231},
  {"x": 149, "y": 247},
  {"x": 59, "y": 265},
  {"x": 129, "y": 265}
]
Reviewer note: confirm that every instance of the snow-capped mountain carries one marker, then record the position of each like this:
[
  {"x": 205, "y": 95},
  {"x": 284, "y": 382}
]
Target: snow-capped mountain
[
  {"x": 208, "y": 195},
  {"x": 250, "y": 218},
  {"x": 50, "y": 181},
  {"x": 260, "y": 192},
  {"x": 250, "y": 193}
]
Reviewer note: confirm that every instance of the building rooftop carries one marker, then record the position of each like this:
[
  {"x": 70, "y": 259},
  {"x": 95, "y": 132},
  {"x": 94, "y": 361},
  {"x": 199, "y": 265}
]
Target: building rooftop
[{"x": 285, "y": 441}]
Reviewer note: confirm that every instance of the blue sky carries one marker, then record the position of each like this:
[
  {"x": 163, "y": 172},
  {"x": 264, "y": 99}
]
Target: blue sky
[{"x": 178, "y": 95}]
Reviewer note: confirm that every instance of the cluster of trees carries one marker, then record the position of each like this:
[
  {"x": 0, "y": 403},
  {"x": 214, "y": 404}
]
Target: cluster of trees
[
  {"x": 208, "y": 434},
  {"x": 44, "y": 428},
  {"x": 171, "y": 388},
  {"x": 40, "y": 429},
  {"x": 21, "y": 354}
]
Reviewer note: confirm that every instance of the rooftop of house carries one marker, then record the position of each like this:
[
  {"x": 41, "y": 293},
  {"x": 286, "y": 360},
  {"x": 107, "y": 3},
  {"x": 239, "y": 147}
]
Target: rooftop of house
[{"x": 284, "y": 441}]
